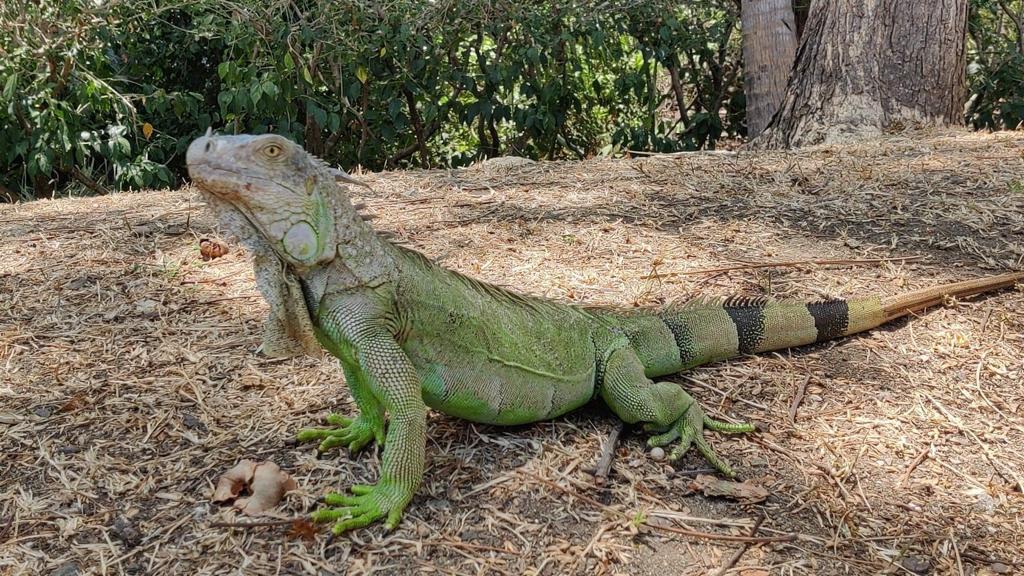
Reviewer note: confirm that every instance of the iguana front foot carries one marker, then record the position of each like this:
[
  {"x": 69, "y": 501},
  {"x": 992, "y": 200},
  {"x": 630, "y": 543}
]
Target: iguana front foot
[
  {"x": 689, "y": 430},
  {"x": 366, "y": 505},
  {"x": 356, "y": 434}
]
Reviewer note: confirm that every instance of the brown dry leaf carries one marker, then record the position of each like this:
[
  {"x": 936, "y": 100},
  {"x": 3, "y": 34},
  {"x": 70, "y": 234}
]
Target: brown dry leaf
[
  {"x": 76, "y": 402},
  {"x": 269, "y": 484},
  {"x": 231, "y": 483},
  {"x": 302, "y": 528},
  {"x": 742, "y": 491},
  {"x": 754, "y": 572},
  {"x": 210, "y": 249}
]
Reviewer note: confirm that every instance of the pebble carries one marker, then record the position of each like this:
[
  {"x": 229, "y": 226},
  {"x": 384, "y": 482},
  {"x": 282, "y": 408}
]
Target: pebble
[
  {"x": 657, "y": 453},
  {"x": 69, "y": 569},
  {"x": 917, "y": 564}
]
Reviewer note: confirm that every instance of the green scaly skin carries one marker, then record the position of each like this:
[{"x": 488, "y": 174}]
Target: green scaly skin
[{"x": 411, "y": 334}]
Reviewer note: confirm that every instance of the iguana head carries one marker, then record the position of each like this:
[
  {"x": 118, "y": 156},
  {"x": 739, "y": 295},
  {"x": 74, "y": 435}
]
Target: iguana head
[{"x": 283, "y": 192}]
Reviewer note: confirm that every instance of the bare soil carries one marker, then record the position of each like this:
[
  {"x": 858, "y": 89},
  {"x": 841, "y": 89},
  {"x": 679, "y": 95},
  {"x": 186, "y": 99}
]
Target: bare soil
[{"x": 129, "y": 378}]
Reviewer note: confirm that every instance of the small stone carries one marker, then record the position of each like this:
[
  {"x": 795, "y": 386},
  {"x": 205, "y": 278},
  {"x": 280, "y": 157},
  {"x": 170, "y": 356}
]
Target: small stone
[
  {"x": 657, "y": 453},
  {"x": 42, "y": 411},
  {"x": 917, "y": 564},
  {"x": 193, "y": 422},
  {"x": 79, "y": 283},
  {"x": 124, "y": 530},
  {"x": 68, "y": 569},
  {"x": 146, "y": 307},
  {"x": 1000, "y": 568}
]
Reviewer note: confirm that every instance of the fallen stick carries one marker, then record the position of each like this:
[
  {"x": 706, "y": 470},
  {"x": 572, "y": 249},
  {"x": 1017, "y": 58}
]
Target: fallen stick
[
  {"x": 739, "y": 553},
  {"x": 754, "y": 266},
  {"x": 797, "y": 399},
  {"x": 672, "y": 529},
  {"x": 604, "y": 465}
]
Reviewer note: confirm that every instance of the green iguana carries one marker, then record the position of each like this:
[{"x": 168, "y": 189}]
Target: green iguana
[{"x": 411, "y": 334}]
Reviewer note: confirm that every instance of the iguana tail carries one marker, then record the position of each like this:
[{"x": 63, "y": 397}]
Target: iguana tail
[
  {"x": 710, "y": 330},
  {"x": 900, "y": 305}
]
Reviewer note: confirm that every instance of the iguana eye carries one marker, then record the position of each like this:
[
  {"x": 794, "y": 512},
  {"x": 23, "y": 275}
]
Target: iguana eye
[{"x": 272, "y": 151}]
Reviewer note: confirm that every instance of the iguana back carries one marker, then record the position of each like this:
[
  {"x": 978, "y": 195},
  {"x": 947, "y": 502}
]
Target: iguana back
[{"x": 490, "y": 355}]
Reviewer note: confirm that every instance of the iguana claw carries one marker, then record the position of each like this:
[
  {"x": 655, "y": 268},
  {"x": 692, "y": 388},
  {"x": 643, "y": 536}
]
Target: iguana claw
[
  {"x": 366, "y": 505},
  {"x": 689, "y": 430},
  {"x": 356, "y": 434}
]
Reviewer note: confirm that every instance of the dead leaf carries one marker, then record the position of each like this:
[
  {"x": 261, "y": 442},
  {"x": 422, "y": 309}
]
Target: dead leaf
[
  {"x": 231, "y": 483},
  {"x": 76, "y": 402},
  {"x": 302, "y": 528},
  {"x": 754, "y": 572},
  {"x": 269, "y": 484},
  {"x": 210, "y": 249},
  {"x": 742, "y": 491}
]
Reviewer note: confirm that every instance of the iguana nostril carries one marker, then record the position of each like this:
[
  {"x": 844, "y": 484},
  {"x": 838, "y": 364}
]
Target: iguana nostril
[{"x": 209, "y": 144}]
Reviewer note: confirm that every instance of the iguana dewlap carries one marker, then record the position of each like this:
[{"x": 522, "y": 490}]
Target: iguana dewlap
[{"x": 411, "y": 334}]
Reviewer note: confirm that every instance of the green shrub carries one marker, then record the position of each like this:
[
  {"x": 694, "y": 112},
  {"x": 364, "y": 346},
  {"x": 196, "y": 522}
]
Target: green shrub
[
  {"x": 995, "y": 70},
  {"x": 107, "y": 95}
]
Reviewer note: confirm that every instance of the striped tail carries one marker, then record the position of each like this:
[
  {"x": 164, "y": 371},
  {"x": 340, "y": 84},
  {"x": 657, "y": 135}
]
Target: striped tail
[{"x": 709, "y": 330}]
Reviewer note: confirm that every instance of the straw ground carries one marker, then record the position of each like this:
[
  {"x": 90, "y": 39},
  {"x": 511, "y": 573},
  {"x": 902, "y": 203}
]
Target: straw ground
[{"x": 129, "y": 378}]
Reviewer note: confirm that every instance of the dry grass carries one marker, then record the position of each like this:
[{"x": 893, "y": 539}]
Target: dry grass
[{"x": 129, "y": 379}]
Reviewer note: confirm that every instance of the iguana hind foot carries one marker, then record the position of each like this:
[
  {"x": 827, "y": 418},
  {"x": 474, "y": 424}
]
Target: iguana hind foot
[
  {"x": 688, "y": 429},
  {"x": 664, "y": 407},
  {"x": 366, "y": 505},
  {"x": 354, "y": 433}
]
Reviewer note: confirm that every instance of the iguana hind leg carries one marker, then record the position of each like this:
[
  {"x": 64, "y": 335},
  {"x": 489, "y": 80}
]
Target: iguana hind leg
[
  {"x": 663, "y": 407},
  {"x": 358, "y": 432}
]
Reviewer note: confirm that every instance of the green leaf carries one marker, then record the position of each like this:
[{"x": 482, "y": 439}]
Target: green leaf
[
  {"x": 224, "y": 100},
  {"x": 123, "y": 145},
  {"x": 43, "y": 164},
  {"x": 9, "y": 86},
  {"x": 362, "y": 74},
  {"x": 288, "y": 62},
  {"x": 307, "y": 76},
  {"x": 255, "y": 92}
]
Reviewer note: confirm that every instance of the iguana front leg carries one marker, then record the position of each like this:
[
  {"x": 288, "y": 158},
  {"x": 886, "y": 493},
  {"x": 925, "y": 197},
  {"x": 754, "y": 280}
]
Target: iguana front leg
[
  {"x": 663, "y": 406},
  {"x": 358, "y": 320},
  {"x": 354, "y": 433}
]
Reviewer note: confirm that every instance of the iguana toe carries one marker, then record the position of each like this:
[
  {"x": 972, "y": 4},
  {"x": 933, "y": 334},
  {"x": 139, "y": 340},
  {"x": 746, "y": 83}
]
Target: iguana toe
[
  {"x": 355, "y": 434},
  {"x": 366, "y": 505},
  {"x": 689, "y": 430}
]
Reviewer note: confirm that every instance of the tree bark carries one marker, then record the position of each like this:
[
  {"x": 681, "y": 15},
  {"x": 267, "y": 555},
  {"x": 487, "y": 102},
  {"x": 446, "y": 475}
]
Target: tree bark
[
  {"x": 769, "y": 47},
  {"x": 873, "y": 65}
]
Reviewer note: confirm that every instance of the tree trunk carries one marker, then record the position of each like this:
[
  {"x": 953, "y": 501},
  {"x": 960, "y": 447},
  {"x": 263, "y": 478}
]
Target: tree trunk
[
  {"x": 769, "y": 46},
  {"x": 873, "y": 65}
]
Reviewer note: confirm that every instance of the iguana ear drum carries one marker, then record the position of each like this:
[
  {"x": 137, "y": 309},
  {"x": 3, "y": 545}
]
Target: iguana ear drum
[{"x": 300, "y": 242}]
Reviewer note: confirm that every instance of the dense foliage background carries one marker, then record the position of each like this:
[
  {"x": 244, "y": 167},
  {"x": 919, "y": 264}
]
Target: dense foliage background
[{"x": 98, "y": 95}]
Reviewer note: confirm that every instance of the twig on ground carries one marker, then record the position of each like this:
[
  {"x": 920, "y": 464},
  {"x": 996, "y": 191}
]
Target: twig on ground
[
  {"x": 797, "y": 399},
  {"x": 913, "y": 465},
  {"x": 756, "y": 265},
  {"x": 604, "y": 465},
  {"x": 257, "y": 524},
  {"x": 674, "y": 530},
  {"x": 739, "y": 553}
]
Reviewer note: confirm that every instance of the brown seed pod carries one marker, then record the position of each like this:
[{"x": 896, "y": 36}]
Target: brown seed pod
[{"x": 210, "y": 249}]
